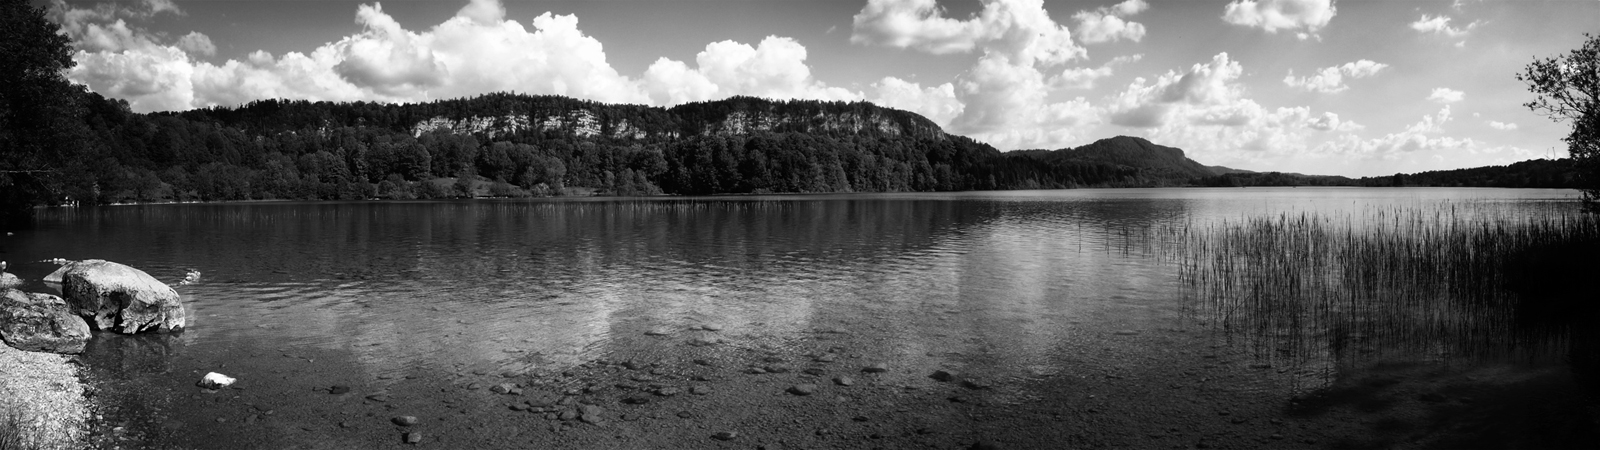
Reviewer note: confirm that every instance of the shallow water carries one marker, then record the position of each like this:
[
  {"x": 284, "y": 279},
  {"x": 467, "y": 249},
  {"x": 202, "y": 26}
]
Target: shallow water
[{"x": 1005, "y": 285}]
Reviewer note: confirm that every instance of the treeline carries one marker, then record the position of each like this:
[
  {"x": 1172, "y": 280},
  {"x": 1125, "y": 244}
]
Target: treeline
[
  {"x": 1534, "y": 173},
  {"x": 517, "y": 145},
  {"x": 522, "y": 145}
]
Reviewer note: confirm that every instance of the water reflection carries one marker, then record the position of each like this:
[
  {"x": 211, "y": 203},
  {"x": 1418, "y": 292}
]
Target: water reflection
[{"x": 1005, "y": 285}]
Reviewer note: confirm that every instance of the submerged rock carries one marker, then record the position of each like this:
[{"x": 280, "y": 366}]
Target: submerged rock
[
  {"x": 121, "y": 298},
  {"x": 41, "y": 323}
]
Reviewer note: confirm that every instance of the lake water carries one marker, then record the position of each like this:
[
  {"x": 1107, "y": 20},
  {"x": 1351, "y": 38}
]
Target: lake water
[{"x": 407, "y": 297}]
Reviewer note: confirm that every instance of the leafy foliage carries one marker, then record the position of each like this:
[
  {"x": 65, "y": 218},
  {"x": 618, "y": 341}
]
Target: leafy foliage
[
  {"x": 1568, "y": 89},
  {"x": 40, "y": 131}
]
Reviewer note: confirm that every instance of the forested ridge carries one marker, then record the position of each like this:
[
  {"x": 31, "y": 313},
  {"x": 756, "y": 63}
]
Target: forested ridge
[{"x": 521, "y": 145}]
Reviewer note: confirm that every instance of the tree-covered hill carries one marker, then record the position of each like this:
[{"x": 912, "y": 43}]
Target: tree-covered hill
[{"x": 515, "y": 145}]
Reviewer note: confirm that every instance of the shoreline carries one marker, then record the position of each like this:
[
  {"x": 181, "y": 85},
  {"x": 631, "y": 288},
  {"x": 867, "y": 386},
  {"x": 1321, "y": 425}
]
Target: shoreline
[
  {"x": 46, "y": 393},
  {"x": 591, "y": 196}
]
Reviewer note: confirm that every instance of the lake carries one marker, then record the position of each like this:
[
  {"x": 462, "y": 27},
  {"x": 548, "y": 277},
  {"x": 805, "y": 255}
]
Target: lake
[{"x": 1065, "y": 308}]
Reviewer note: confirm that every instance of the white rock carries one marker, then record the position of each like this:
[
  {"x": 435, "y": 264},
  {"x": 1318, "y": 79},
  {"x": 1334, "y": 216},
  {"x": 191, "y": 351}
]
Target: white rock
[{"x": 215, "y": 380}]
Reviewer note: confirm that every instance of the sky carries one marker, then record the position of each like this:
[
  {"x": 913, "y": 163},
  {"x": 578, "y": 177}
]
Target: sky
[{"x": 1354, "y": 88}]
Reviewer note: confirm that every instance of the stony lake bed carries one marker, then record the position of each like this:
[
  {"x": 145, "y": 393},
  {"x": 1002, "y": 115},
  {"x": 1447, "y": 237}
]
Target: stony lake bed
[
  {"x": 696, "y": 389},
  {"x": 988, "y": 320}
]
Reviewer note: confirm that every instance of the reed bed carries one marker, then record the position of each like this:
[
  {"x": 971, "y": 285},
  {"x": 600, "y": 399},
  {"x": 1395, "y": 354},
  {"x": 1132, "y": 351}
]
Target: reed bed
[{"x": 1445, "y": 282}]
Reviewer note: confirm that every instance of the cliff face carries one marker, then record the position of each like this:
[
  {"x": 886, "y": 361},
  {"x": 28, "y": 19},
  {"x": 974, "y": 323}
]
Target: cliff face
[
  {"x": 730, "y": 117},
  {"x": 578, "y": 122}
]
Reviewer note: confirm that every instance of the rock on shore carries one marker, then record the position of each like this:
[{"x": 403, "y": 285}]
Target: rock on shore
[
  {"x": 121, "y": 298},
  {"x": 41, "y": 323},
  {"x": 8, "y": 281}
]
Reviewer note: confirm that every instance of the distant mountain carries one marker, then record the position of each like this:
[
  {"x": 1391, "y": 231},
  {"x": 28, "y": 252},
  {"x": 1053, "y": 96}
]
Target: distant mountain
[{"x": 1145, "y": 163}]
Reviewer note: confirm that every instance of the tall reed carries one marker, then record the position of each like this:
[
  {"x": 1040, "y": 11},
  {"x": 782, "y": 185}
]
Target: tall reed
[{"x": 1444, "y": 282}]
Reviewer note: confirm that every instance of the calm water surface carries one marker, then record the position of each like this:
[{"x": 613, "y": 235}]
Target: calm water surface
[{"x": 1008, "y": 285}]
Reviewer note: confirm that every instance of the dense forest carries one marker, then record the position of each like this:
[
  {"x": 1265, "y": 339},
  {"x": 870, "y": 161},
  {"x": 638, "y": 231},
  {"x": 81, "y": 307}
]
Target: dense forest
[{"x": 519, "y": 145}]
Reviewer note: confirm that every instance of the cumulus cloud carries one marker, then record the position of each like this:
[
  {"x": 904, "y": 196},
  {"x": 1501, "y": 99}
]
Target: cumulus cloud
[
  {"x": 1415, "y": 137},
  {"x": 476, "y": 51},
  {"x": 1109, "y": 24},
  {"x": 1002, "y": 98},
  {"x": 937, "y": 103},
  {"x": 1206, "y": 109},
  {"x": 1330, "y": 80},
  {"x": 775, "y": 68},
  {"x": 1441, "y": 25},
  {"x": 1503, "y": 126},
  {"x": 1147, "y": 104},
  {"x": 1305, "y": 17},
  {"x": 1020, "y": 30},
  {"x": 197, "y": 43},
  {"x": 387, "y": 58},
  {"x": 1446, "y": 95},
  {"x": 1085, "y": 77}
]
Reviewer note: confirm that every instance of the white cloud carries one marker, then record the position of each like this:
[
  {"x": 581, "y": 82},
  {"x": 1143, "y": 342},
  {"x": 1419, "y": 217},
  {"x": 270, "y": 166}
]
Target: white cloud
[
  {"x": 1131, "y": 7},
  {"x": 1331, "y": 79},
  {"x": 1207, "y": 111},
  {"x": 775, "y": 68},
  {"x": 387, "y": 58},
  {"x": 1416, "y": 137},
  {"x": 670, "y": 82},
  {"x": 197, "y": 43},
  {"x": 151, "y": 79},
  {"x": 1002, "y": 98},
  {"x": 1441, "y": 25},
  {"x": 1020, "y": 30},
  {"x": 1331, "y": 122},
  {"x": 1304, "y": 16},
  {"x": 1147, "y": 104},
  {"x": 1446, "y": 95},
  {"x": 1504, "y": 126},
  {"x": 937, "y": 103},
  {"x": 1085, "y": 77},
  {"x": 483, "y": 12},
  {"x": 1108, "y": 24}
]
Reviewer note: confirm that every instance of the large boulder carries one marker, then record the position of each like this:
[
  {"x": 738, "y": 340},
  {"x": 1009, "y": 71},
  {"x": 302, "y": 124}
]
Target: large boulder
[
  {"x": 121, "y": 298},
  {"x": 55, "y": 277},
  {"x": 41, "y": 323}
]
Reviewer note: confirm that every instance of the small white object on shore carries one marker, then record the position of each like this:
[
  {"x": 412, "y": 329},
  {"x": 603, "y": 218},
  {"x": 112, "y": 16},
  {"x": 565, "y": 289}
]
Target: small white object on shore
[{"x": 215, "y": 380}]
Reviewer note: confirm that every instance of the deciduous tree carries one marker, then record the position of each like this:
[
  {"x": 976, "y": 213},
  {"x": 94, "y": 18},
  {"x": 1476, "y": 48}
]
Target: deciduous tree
[{"x": 1568, "y": 89}]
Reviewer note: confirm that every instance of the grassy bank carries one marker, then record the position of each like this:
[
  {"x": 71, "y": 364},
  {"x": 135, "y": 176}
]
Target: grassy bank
[{"x": 1444, "y": 282}]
